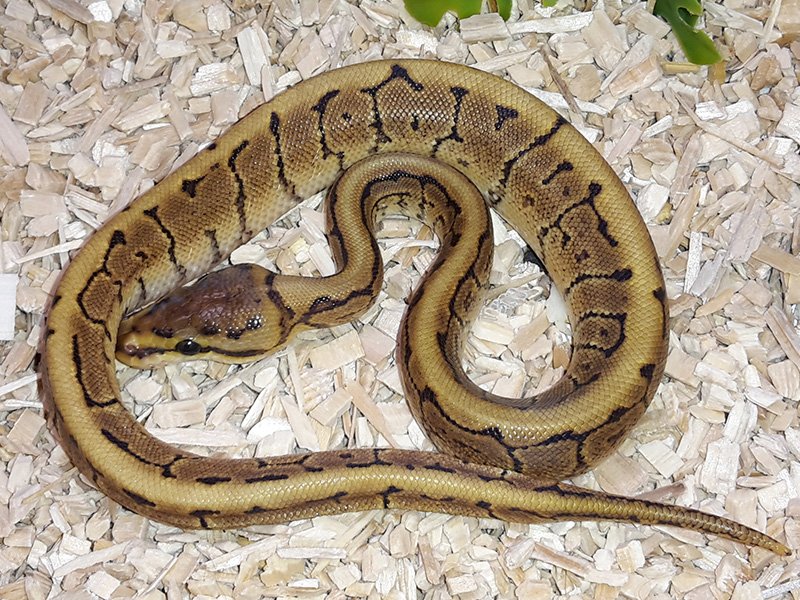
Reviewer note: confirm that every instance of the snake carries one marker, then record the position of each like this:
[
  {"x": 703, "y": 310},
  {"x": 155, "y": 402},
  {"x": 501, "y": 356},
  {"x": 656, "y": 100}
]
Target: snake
[{"x": 430, "y": 139}]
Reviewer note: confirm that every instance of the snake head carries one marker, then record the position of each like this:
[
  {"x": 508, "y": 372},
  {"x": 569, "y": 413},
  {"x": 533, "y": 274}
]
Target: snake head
[{"x": 225, "y": 316}]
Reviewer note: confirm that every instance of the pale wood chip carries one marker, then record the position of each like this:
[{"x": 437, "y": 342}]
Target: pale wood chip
[
  {"x": 88, "y": 559},
  {"x": 785, "y": 376},
  {"x": 578, "y": 566},
  {"x": 682, "y": 367},
  {"x": 12, "y": 143},
  {"x": 26, "y": 431},
  {"x": 789, "y": 125},
  {"x": 718, "y": 472},
  {"x": 11, "y": 386},
  {"x": 213, "y": 78},
  {"x": 333, "y": 407},
  {"x": 561, "y": 24},
  {"x": 621, "y": 475},
  {"x": 254, "y": 45},
  {"x": 293, "y": 407},
  {"x": 784, "y": 332},
  {"x": 179, "y": 414},
  {"x": 630, "y": 556},
  {"x": 262, "y": 548},
  {"x": 635, "y": 78},
  {"x": 662, "y": 457},
  {"x": 8, "y": 304},
  {"x": 312, "y": 56},
  {"x": 777, "y": 258},
  {"x": 337, "y": 353},
  {"x": 484, "y": 28},
  {"x": 73, "y": 9},
  {"x": 367, "y": 406},
  {"x": 20, "y": 10},
  {"x": 201, "y": 438},
  {"x": 648, "y": 23}
]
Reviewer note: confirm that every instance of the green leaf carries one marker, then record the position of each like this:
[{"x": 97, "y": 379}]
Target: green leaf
[
  {"x": 431, "y": 12},
  {"x": 682, "y": 15}
]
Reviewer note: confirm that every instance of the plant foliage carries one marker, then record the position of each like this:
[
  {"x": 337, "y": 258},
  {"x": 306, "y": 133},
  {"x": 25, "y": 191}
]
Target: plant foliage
[
  {"x": 431, "y": 12},
  {"x": 682, "y": 16}
]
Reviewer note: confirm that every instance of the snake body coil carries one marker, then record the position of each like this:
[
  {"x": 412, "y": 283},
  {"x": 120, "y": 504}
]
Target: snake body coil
[{"x": 531, "y": 166}]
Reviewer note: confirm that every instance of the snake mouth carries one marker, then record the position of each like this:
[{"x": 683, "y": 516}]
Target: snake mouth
[
  {"x": 142, "y": 357},
  {"x": 135, "y": 351}
]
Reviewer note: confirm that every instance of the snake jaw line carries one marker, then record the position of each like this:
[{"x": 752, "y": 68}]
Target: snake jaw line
[{"x": 540, "y": 175}]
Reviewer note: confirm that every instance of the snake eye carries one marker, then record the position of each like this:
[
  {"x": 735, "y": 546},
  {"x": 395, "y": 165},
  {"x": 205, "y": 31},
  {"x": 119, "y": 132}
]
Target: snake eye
[{"x": 188, "y": 347}]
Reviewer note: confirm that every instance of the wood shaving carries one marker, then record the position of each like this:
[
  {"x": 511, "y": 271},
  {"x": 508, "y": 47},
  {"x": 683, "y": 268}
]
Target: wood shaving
[{"x": 99, "y": 100}]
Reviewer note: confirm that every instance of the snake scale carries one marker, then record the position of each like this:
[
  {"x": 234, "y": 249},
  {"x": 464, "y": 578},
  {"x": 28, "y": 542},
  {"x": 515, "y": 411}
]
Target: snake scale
[{"x": 503, "y": 457}]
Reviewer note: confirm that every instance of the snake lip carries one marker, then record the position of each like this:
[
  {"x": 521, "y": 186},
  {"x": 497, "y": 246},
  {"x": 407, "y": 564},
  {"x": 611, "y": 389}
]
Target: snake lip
[
  {"x": 141, "y": 357},
  {"x": 140, "y": 352}
]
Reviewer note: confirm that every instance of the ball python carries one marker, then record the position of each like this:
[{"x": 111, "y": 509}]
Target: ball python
[{"x": 501, "y": 458}]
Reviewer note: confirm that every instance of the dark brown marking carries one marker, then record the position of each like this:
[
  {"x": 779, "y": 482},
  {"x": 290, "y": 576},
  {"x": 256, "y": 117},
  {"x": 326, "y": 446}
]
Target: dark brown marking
[
  {"x": 276, "y": 298},
  {"x": 77, "y": 361},
  {"x": 602, "y": 225},
  {"x": 562, "y": 167},
  {"x": 647, "y": 371},
  {"x": 538, "y": 141},
  {"x": 254, "y": 323},
  {"x": 530, "y": 515},
  {"x": 398, "y": 72},
  {"x": 211, "y": 234},
  {"x": 140, "y": 500},
  {"x": 267, "y": 477},
  {"x": 213, "y": 480},
  {"x": 235, "y": 154},
  {"x": 620, "y": 319},
  {"x": 490, "y": 478},
  {"x": 619, "y": 275},
  {"x": 202, "y": 514},
  {"x": 503, "y": 114},
  {"x": 388, "y": 492},
  {"x": 375, "y": 462},
  {"x": 320, "y": 107},
  {"x": 241, "y": 198},
  {"x": 308, "y": 468},
  {"x": 153, "y": 214},
  {"x": 189, "y": 186},
  {"x": 117, "y": 239},
  {"x": 438, "y": 467},
  {"x": 486, "y": 506},
  {"x": 428, "y": 396},
  {"x": 458, "y": 93},
  {"x": 275, "y": 129},
  {"x": 125, "y": 447}
]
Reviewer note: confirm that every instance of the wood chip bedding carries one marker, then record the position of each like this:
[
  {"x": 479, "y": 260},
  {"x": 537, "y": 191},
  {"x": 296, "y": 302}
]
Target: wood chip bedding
[{"x": 98, "y": 100}]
